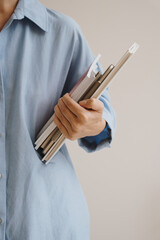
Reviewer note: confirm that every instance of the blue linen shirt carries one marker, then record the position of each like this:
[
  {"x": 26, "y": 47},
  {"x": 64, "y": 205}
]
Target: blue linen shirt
[{"x": 42, "y": 55}]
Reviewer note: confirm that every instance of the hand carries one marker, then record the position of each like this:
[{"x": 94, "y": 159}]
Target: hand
[{"x": 77, "y": 120}]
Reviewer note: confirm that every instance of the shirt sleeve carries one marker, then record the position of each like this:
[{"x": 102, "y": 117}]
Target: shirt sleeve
[
  {"x": 103, "y": 139},
  {"x": 82, "y": 58},
  {"x": 93, "y": 141}
]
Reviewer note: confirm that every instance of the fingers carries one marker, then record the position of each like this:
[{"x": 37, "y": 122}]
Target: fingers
[
  {"x": 66, "y": 112},
  {"x": 65, "y": 120},
  {"x": 61, "y": 126},
  {"x": 72, "y": 105},
  {"x": 62, "y": 123},
  {"x": 62, "y": 118},
  {"x": 75, "y": 119}
]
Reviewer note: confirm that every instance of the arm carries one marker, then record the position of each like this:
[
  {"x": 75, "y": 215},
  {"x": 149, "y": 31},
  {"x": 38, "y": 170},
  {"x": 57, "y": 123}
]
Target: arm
[
  {"x": 97, "y": 135},
  {"x": 105, "y": 138}
]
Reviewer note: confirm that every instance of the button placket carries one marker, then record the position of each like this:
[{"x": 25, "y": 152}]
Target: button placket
[{"x": 2, "y": 147}]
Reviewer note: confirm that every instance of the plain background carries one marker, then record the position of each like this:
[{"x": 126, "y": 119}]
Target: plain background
[{"x": 122, "y": 183}]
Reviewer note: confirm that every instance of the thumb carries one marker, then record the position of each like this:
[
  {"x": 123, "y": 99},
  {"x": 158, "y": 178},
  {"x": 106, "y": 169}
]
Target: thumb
[
  {"x": 93, "y": 104},
  {"x": 85, "y": 103}
]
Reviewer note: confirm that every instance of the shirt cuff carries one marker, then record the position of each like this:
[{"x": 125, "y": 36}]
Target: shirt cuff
[{"x": 94, "y": 143}]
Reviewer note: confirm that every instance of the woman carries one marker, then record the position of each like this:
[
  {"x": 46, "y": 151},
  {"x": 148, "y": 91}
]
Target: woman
[{"x": 43, "y": 53}]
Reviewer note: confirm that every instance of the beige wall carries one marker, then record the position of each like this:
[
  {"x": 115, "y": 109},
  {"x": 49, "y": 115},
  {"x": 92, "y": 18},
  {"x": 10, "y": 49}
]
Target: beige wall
[{"x": 122, "y": 184}]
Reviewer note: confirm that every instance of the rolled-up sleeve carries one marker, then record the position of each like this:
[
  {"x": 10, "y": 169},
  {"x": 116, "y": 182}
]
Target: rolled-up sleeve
[
  {"x": 82, "y": 57},
  {"x": 103, "y": 139}
]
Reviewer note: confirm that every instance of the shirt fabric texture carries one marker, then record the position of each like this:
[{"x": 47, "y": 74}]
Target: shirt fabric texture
[{"x": 43, "y": 53}]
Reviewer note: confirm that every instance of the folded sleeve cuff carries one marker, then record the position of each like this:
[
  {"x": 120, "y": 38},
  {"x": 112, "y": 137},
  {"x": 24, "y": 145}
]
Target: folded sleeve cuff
[
  {"x": 104, "y": 139},
  {"x": 94, "y": 143}
]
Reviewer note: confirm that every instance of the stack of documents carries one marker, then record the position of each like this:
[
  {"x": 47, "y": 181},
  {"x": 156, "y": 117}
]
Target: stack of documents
[{"x": 92, "y": 84}]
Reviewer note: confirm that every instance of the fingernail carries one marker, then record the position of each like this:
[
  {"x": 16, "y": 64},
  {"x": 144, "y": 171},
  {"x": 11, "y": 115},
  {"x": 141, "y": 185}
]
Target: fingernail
[{"x": 83, "y": 102}]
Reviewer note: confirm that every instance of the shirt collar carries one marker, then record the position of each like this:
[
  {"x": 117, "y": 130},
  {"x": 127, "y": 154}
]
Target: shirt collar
[{"x": 33, "y": 10}]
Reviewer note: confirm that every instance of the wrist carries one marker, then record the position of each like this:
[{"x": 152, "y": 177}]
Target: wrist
[{"x": 103, "y": 125}]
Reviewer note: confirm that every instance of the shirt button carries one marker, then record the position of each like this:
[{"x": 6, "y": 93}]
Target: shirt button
[
  {"x": 0, "y": 220},
  {"x": 0, "y": 175}
]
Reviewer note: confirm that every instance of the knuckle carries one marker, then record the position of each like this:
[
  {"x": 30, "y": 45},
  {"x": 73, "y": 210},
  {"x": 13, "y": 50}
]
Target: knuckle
[
  {"x": 92, "y": 101},
  {"x": 69, "y": 104},
  {"x": 61, "y": 117},
  {"x": 64, "y": 110},
  {"x": 62, "y": 106},
  {"x": 83, "y": 118},
  {"x": 65, "y": 95},
  {"x": 76, "y": 127}
]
